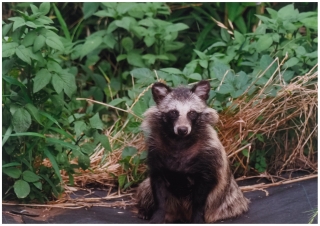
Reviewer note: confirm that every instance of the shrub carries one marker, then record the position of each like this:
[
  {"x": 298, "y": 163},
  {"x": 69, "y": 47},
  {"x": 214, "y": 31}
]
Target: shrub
[{"x": 43, "y": 127}]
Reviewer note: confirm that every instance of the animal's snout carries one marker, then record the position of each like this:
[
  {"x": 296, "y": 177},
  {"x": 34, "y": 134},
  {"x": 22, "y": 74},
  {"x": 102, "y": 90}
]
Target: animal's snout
[{"x": 182, "y": 130}]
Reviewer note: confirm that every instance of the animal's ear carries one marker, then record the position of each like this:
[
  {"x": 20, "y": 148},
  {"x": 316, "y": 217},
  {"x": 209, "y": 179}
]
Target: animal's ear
[
  {"x": 201, "y": 89},
  {"x": 159, "y": 91}
]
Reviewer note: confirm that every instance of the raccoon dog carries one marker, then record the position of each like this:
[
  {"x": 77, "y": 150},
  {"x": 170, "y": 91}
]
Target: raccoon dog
[{"x": 189, "y": 175}]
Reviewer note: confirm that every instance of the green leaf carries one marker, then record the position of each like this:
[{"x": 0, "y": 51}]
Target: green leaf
[
  {"x": 150, "y": 58},
  {"x": 90, "y": 45},
  {"x": 43, "y": 77},
  {"x": 53, "y": 162},
  {"x": 265, "y": 63},
  {"x": 301, "y": 51},
  {"x": 110, "y": 40},
  {"x": 34, "y": 112},
  {"x": 124, "y": 7},
  {"x": 195, "y": 76},
  {"x": 143, "y": 75},
  {"x": 88, "y": 148},
  {"x": 287, "y": 12},
  {"x": 57, "y": 83},
  {"x": 38, "y": 185},
  {"x": 149, "y": 40},
  {"x": 64, "y": 81},
  {"x": 53, "y": 66},
  {"x": 204, "y": 63},
  {"x": 225, "y": 35},
  {"x": 18, "y": 22},
  {"x": 121, "y": 180},
  {"x": 225, "y": 89},
  {"x": 30, "y": 176},
  {"x": 31, "y": 24},
  {"x": 12, "y": 172},
  {"x": 44, "y": 20},
  {"x": 245, "y": 152},
  {"x": 62, "y": 158},
  {"x": 172, "y": 71},
  {"x": 125, "y": 22},
  {"x": 21, "y": 188},
  {"x": 287, "y": 75},
  {"x": 89, "y": 8},
  {"x": 273, "y": 13},
  {"x": 276, "y": 37},
  {"x": 54, "y": 43},
  {"x": 29, "y": 38},
  {"x": 313, "y": 54},
  {"x": 39, "y": 43},
  {"x": 176, "y": 27},
  {"x": 201, "y": 55},
  {"x": 34, "y": 8},
  {"x": 260, "y": 137},
  {"x": 11, "y": 164},
  {"x": 239, "y": 38},
  {"x": 264, "y": 42},
  {"x": 79, "y": 127},
  {"x": 8, "y": 49},
  {"x": 311, "y": 22},
  {"x": 23, "y": 54},
  {"x": 128, "y": 152},
  {"x": 96, "y": 122},
  {"x": 127, "y": 43},
  {"x": 5, "y": 29},
  {"x": 44, "y": 7},
  {"x": 116, "y": 101},
  {"x": 21, "y": 120},
  {"x": 103, "y": 13},
  {"x": 291, "y": 62},
  {"x": 135, "y": 59},
  {"x": 84, "y": 161},
  {"x": 104, "y": 140}
]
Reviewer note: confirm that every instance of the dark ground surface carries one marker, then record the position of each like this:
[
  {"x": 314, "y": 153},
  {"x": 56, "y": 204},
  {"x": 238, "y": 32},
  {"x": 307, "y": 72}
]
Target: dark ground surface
[{"x": 291, "y": 203}]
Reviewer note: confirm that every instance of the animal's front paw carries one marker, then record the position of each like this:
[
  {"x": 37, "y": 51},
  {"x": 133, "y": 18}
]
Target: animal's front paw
[
  {"x": 158, "y": 217},
  {"x": 144, "y": 214}
]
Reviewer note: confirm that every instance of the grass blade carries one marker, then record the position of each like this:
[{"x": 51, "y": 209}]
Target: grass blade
[
  {"x": 25, "y": 134},
  {"x": 53, "y": 162},
  {"x": 62, "y": 132},
  {"x": 7, "y": 135},
  {"x": 62, "y": 22}
]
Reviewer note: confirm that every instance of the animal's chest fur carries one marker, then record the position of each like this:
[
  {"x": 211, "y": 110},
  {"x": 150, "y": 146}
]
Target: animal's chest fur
[
  {"x": 178, "y": 183},
  {"x": 179, "y": 171}
]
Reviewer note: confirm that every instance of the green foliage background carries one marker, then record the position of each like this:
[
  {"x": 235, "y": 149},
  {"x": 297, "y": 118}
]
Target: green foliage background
[{"x": 53, "y": 53}]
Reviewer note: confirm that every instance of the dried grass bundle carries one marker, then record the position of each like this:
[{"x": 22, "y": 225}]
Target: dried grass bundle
[{"x": 293, "y": 110}]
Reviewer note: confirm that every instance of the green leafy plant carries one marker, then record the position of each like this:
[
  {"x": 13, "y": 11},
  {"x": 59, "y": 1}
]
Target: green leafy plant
[{"x": 39, "y": 110}]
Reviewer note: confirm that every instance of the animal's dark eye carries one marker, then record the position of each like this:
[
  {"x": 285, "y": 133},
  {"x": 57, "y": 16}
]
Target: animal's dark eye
[
  {"x": 192, "y": 115},
  {"x": 173, "y": 114}
]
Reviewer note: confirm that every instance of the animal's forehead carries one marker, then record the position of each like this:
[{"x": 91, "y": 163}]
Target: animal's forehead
[{"x": 182, "y": 104}]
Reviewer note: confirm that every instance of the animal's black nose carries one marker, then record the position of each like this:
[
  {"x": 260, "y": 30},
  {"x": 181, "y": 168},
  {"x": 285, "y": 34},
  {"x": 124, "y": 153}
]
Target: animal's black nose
[{"x": 182, "y": 130}]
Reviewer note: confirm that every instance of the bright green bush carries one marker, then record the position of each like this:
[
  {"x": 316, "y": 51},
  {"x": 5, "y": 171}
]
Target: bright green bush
[{"x": 42, "y": 126}]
